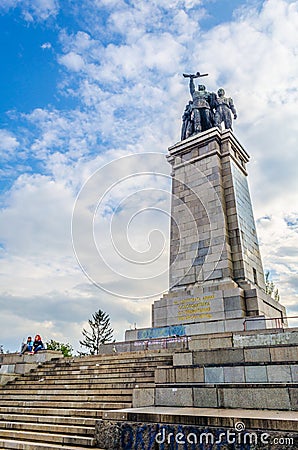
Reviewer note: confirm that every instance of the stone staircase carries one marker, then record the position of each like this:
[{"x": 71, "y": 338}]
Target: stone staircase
[
  {"x": 252, "y": 377},
  {"x": 245, "y": 382},
  {"x": 57, "y": 404}
]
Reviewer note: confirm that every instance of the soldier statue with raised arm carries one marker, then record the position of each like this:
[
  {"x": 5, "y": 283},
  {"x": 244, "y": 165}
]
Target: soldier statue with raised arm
[
  {"x": 206, "y": 110},
  {"x": 202, "y": 106}
]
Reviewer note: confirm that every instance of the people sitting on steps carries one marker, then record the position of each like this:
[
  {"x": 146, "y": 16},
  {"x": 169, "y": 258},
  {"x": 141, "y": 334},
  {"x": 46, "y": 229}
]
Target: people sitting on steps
[
  {"x": 27, "y": 346},
  {"x": 37, "y": 344}
]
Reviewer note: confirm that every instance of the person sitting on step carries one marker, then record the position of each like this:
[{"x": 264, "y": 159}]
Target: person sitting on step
[
  {"x": 27, "y": 346},
  {"x": 37, "y": 344}
]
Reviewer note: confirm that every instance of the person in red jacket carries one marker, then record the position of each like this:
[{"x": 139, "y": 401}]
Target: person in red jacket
[{"x": 37, "y": 344}]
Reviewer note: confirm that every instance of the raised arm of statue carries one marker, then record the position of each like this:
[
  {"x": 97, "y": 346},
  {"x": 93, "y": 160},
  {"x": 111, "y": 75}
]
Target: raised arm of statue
[{"x": 191, "y": 86}]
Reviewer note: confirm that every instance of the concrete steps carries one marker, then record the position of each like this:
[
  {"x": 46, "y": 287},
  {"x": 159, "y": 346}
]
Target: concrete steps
[
  {"x": 59, "y": 396},
  {"x": 47, "y": 438},
  {"x": 36, "y": 428},
  {"x": 252, "y": 377},
  {"x": 67, "y": 404},
  {"x": 61, "y": 420},
  {"x": 57, "y": 404},
  {"x": 82, "y": 414},
  {"x": 78, "y": 384},
  {"x": 16, "y": 444}
]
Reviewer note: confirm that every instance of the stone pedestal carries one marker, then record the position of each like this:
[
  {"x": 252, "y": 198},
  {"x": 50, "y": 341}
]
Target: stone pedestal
[{"x": 216, "y": 276}]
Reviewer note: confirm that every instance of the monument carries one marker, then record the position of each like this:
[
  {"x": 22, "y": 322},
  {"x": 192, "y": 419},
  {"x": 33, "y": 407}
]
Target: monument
[
  {"x": 216, "y": 275},
  {"x": 231, "y": 358}
]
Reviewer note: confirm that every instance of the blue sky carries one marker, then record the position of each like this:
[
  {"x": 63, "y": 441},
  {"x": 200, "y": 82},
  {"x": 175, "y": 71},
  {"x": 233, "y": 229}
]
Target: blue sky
[{"x": 86, "y": 83}]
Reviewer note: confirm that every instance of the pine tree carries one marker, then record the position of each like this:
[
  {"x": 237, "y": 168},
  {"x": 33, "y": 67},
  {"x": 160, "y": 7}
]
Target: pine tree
[{"x": 100, "y": 332}]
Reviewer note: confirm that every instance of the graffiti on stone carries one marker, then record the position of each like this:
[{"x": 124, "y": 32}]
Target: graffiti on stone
[
  {"x": 154, "y": 436},
  {"x": 151, "y": 333}
]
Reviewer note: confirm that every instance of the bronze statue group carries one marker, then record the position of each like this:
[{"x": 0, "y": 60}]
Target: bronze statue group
[{"x": 206, "y": 109}]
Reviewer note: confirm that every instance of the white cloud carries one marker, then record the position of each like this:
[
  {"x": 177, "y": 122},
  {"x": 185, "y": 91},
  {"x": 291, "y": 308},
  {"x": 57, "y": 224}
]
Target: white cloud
[
  {"x": 43, "y": 199},
  {"x": 33, "y": 9},
  {"x": 6, "y": 4},
  {"x": 72, "y": 61},
  {"x": 8, "y": 144},
  {"x": 46, "y": 45},
  {"x": 279, "y": 249}
]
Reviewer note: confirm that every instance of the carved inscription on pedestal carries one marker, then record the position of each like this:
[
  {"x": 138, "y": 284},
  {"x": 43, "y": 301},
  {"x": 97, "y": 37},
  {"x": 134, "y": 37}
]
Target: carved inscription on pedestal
[{"x": 191, "y": 309}]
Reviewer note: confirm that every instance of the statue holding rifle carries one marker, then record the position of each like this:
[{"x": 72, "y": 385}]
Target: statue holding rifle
[{"x": 206, "y": 110}]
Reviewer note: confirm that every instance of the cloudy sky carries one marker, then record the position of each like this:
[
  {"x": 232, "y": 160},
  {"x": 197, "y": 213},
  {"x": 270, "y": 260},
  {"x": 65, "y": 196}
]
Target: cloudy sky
[{"x": 86, "y": 83}]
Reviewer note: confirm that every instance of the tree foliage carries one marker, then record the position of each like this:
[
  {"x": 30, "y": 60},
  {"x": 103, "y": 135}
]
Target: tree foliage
[
  {"x": 99, "y": 333},
  {"x": 271, "y": 289},
  {"x": 66, "y": 349}
]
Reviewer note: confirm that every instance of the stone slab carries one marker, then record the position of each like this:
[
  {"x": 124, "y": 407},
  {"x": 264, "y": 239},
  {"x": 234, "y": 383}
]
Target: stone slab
[
  {"x": 219, "y": 356},
  {"x": 294, "y": 373},
  {"x": 205, "y": 397},
  {"x": 256, "y": 374},
  {"x": 284, "y": 353},
  {"x": 257, "y": 355},
  {"x": 179, "y": 375},
  {"x": 174, "y": 396},
  {"x": 214, "y": 375},
  {"x": 294, "y": 398},
  {"x": 270, "y": 338},
  {"x": 260, "y": 398},
  {"x": 234, "y": 374},
  {"x": 279, "y": 373},
  {"x": 256, "y": 418},
  {"x": 6, "y": 377},
  {"x": 182, "y": 359},
  {"x": 7, "y": 368},
  {"x": 143, "y": 397},
  {"x": 149, "y": 435}
]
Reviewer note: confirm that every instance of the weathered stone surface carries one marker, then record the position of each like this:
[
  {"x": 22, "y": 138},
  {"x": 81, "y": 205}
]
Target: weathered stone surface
[
  {"x": 279, "y": 373},
  {"x": 220, "y": 356},
  {"x": 189, "y": 375},
  {"x": 182, "y": 359},
  {"x": 270, "y": 338},
  {"x": 6, "y": 377},
  {"x": 143, "y": 397},
  {"x": 205, "y": 397},
  {"x": 294, "y": 373},
  {"x": 256, "y": 398},
  {"x": 294, "y": 398},
  {"x": 174, "y": 396},
  {"x": 179, "y": 375},
  {"x": 214, "y": 375},
  {"x": 23, "y": 368},
  {"x": 234, "y": 374},
  {"x": 256, "y": 374},
  {"x": 213, "y": 242},
  {"x": 132, "y": 435},
  {"x": 284, "y": 354},
  {"x": 7, "y": 368},
  {"x": 257, "y": 354}
]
